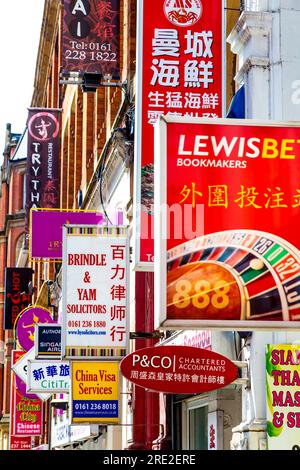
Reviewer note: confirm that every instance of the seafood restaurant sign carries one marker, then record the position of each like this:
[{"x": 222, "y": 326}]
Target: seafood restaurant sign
[
  {"x": 178, "y": 369},
  {"x": 180, "y": 73}
]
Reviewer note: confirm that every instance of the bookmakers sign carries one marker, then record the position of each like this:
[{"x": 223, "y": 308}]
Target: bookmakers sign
[{"x": 243, "y": 270}]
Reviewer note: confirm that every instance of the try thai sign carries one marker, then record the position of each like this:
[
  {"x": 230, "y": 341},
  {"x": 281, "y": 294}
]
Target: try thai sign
[
  {"x": 91, "y": 37},
  {"x": 95, "y": 291},
  {"x": 283, "y": 396},
  {"x": 180, "y": 57},
  {"x": 17, "y": 296},
  {"x": 178, "y": 369},
  {"x": 50, "y": 223},
  {"x": 226, "y": 256},
  {"x": 42, "y": 173}
]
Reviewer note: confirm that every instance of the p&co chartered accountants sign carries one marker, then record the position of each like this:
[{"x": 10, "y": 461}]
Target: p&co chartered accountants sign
[{"x": 178, "y": 369}]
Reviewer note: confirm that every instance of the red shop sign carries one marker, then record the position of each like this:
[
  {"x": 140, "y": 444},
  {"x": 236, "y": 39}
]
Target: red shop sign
[{"x": 178, "y": 369}]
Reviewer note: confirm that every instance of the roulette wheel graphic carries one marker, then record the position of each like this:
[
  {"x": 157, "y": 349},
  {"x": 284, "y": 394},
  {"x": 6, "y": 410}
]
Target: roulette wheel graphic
[{"x": 234, "y": 275}]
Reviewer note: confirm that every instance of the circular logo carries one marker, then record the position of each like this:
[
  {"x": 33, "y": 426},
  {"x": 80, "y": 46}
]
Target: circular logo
[
  {"x": 183, "y": 12},
  {"x": 43, "y": 126},
  {"x": 25, "y": 325}
]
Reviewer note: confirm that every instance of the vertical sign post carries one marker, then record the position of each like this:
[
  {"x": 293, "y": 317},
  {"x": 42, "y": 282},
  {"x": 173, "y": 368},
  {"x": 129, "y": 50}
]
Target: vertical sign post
[
  {"x": 17, "y": 296},
  {"x": 42, "y": 174},
  {"x": 91, "y": 37}
]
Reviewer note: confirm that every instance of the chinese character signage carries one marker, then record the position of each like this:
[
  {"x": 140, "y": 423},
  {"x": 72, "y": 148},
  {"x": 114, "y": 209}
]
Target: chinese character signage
[
  {"x": 91, "y": 37},
  {"x": 178, "y": 369},
  {"x": 50, "y": 222},
  {"x": 26, "y": 414},
  {"x": 50, "y": 376},
  {"x": 282, "y": 382},
  {"x": 42, "y": 173},
  {"x": 95, "y": 392},
  {"x": 47, "y": 341},
  {"x": 95, "y": 291},
  {"x": 17, "y": 295},
  {"x": 244, "y": 270},
  {"x": 25, "y": 325},
  {"x": 179, "y": 73}
]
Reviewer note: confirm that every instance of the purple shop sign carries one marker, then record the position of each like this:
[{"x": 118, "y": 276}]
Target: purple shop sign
[
  {"x": 25, "y": 325},
  {"x": 49, "y": 224}
]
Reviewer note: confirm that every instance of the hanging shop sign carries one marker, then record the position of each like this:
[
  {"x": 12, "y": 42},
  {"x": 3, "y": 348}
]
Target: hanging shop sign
[
  {"x": 95, "y": 292},
  {"x": 20, "y": 369},
  {"x": 25, "y": 325},
  {"x": 178, "y": 369},
  {"x": 26, "y": 414},
  {"x": 63, "y": 434},
  {"x": 50, "y": 223},
  {"x": 215, "y": 422},
  {"x": 244, "y": 270},
  {"x": 195, "y": 338},
  {"x": 95, "y": 392},
  {"x": 91, "y": 37},
  {"x": 19, "y": 443},
  {"x": 47, "y": 341},
  {"x": 17, "y": 296},
  {"x": 283, "y": 396},
  {"x": 180, "y": 60},
  {"x": 51, "y": 376},
  {"x": 42, "y": 173}
]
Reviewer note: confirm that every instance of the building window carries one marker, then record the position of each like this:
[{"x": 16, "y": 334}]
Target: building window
[{"x": 19, "y": 245}]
